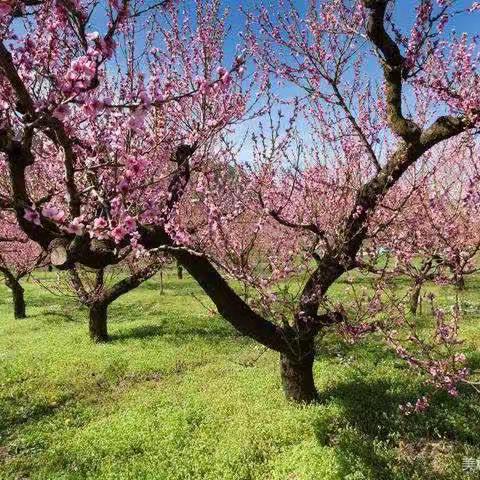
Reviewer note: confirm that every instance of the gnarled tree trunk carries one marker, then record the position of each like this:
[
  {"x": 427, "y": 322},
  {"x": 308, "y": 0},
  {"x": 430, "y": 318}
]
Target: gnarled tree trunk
[
  {"x": 414, "y": 297},
  {"x": 459, "y": 282},
  {"x": 101, "y": 297},
  {"x": 11, "y": 281},
  {"x": 179, "y": 271},
  {"x": 98, "y": 322},
  {"x": 18, "y": 301},
  {"x": 297, "y": 378}
]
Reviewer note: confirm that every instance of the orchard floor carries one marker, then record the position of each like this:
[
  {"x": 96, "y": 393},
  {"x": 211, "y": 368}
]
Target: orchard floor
[{"x": 177, "y": 394}]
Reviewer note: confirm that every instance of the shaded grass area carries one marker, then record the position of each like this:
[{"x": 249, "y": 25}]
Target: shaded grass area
[{"x": 178, "y": 394}]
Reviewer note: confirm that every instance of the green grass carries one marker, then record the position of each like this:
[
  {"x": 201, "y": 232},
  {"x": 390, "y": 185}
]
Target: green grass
[{"x": 177, "y": 394}]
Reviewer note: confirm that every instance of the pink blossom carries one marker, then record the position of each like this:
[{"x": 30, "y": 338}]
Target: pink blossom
[
  {"x": 136, "y": 164},
  {"x": 221, "y": 71},
  {"x": 92, "y": 107},
  {"x": 100, "y": 223},
  {"x": 93, "y": 36},
  {"x": 202, "y": 85},
  {"x": 119, "y": 233},
  {"x": 145, "y": 99},
  {"x": 53, "y": 213},
  {"x": 99, "y": 229},
  {"x": 76, "y": 226},
  {"x": 453, "y": 391},
  {"x": 80, "y": 74},
  {"x": 130, "y": 224},
  {"x": 123, "y": 185},
  {"x": 137, "y": 119},
  {"x": 61, "y": 111},
  {"x": 226, "y": 78},
  {"x": 32, "y": 216}
]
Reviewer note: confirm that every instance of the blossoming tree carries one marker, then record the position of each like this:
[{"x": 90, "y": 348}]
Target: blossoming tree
[
  {"x": 99, "y": 290},
  {"x": 19, "y": 256},
  {"x": 135, "y": 135},
  {"x": 437, "y": 237}
]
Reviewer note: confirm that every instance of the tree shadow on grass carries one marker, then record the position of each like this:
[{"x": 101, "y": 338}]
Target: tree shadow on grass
[
  {"x": 176, "y": 333},
  {"x": 12, "y": 416},
  {"x": 176, "y": 288},
  {"x": 371, "y": 425},
  {"x": 66, "y": 317}
]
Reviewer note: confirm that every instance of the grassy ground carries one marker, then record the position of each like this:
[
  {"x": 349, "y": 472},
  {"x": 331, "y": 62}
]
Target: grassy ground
[{"x": 177, "y": 394}]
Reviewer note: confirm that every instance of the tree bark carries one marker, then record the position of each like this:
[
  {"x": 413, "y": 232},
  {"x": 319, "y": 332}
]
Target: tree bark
[
  {"x": 230, "y": 305},
  {"x": 297, "y": 378},
  {"x": 460, "y": 282},
  {"x": 414, "y": 297},
  {"x": 98, "y": 322},
  {"x": 179, "y": 271},
  {"x": 12, "y": 282},
  {"x": 18, "y": 301}
]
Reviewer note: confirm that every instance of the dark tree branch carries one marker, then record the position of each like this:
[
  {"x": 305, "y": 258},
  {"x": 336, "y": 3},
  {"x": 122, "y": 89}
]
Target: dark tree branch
[
  {"x": 231, "y": 306},
  {"x": 444, "y": 128},
  {"x": 25, "y": 104},
  {"x": 79, "y": 287},
  {"x": 301, "y": 226},
  {"x": 132, "y": 281},
  {"x": 393, "y": 69}
]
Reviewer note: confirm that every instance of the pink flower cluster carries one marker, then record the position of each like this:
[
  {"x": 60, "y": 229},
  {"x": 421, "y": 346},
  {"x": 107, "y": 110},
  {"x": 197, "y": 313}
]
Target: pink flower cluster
[
  {"x": 76, "y": 226},
  {"x": 32, "y": 215},
  {"x": 100, "y": 228},
  {"x": 126, "y": 227},
  {"x": 53, "y": 213},
  {"x": 418, "y": 31},
  {"x": 80, "y": 75},
  {"x": 434, "y": 358},
  {"x": 205, "y": 86}
]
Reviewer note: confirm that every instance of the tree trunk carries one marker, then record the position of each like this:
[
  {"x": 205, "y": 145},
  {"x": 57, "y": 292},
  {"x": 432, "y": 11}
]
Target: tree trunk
[
  {"x": 179, "y": 271},
  {"x": 18, "y": 300},
  {"x": 297, "y": 378},
  {"x": 98, "y": 322},
  {"x": 460, "y": 282},
  {"x": 414, "y": 298}
]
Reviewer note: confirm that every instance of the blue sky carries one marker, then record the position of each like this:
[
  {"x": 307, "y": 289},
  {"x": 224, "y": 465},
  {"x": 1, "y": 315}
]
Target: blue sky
[
  {"x": 405, "y": 11},
  {"x": 404, "y": 17},
  {"x": 405, "y": 14}
]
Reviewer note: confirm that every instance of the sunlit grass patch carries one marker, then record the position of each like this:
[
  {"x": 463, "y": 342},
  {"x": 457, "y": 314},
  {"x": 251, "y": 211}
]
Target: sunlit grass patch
[{"x": 178, "y": 394}]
